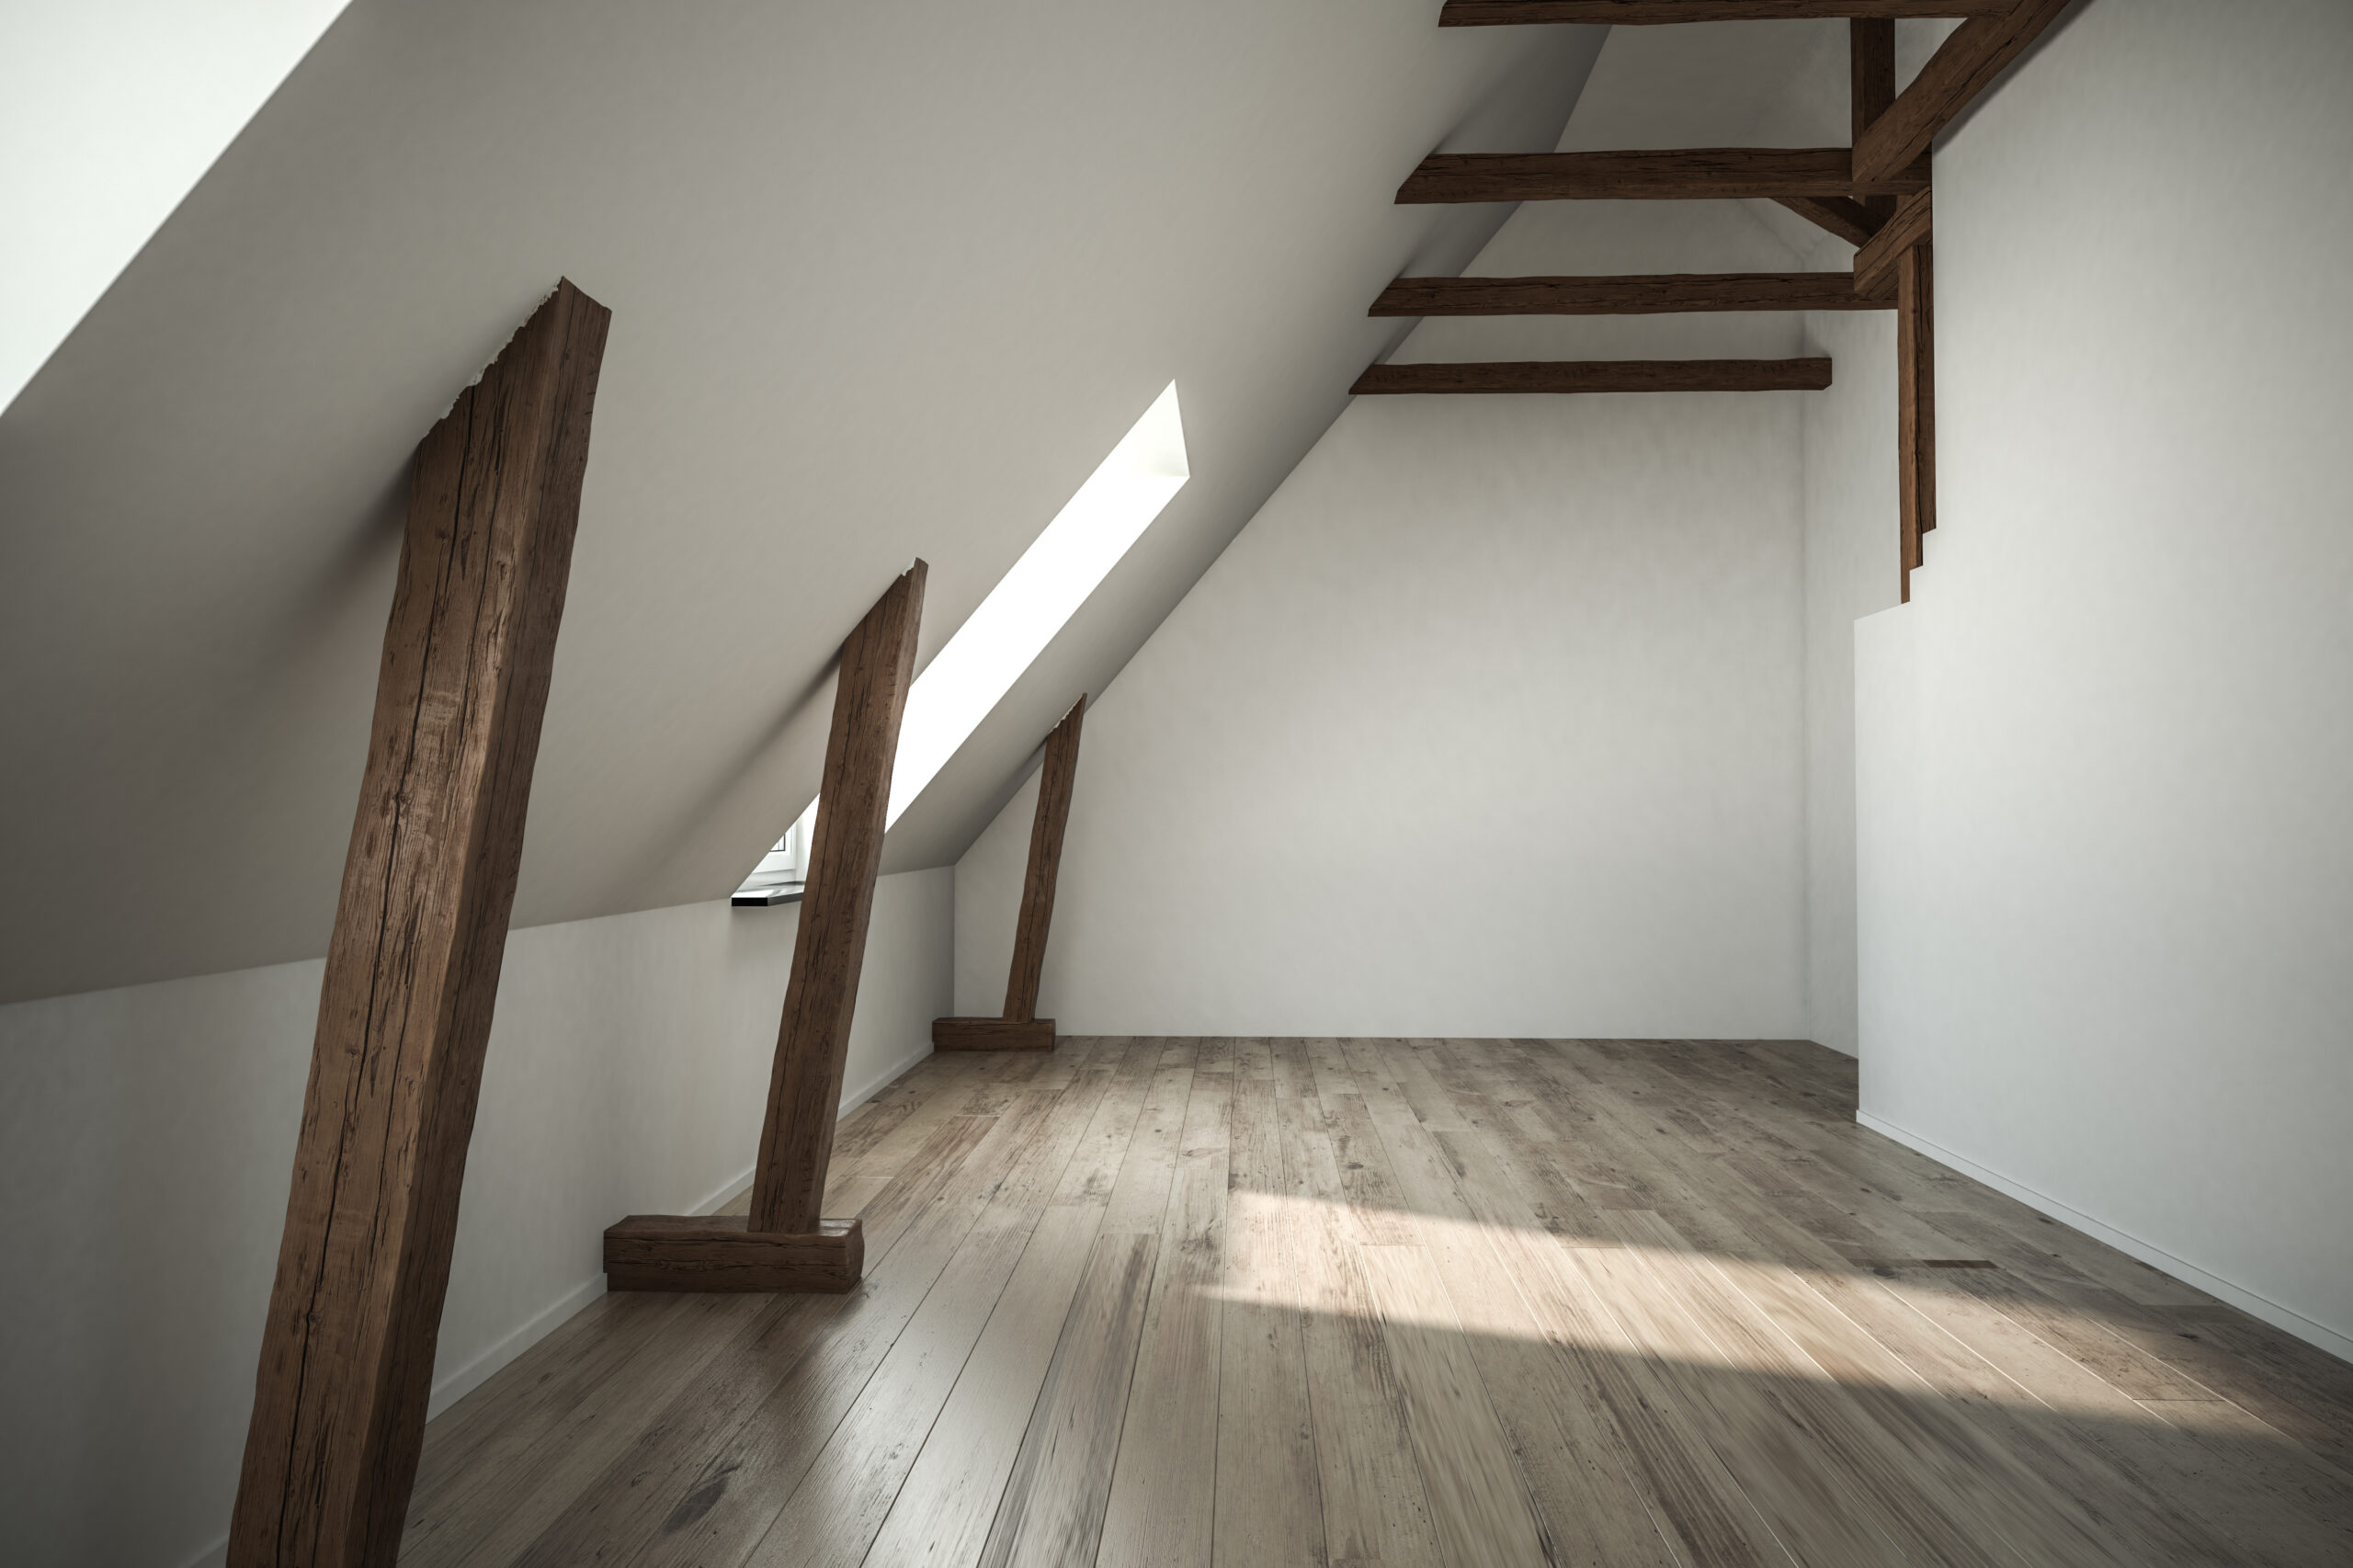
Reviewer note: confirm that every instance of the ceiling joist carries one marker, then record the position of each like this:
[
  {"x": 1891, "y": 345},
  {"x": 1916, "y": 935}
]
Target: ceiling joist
[
  {"x": 1650, "y": 13},
  {"x": 1600, "y": 376},
  {"x": 1637, "y": 295},
  {"x": 1692, "y": 174}
]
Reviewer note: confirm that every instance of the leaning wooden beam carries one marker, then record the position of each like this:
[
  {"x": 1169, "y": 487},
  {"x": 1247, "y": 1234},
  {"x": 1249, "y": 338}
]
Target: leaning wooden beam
[
  {"x": 1600, "y": 376},
  {"x": 1633, "y": 296},
  {"x": 412, "y": 969},
  {"x": 1842, "y": 215},
  {"x": 1964, "y": 66},
  {"x": 829, "y": 950},
  {"x": 1875, "y": 262},
  {"x": 1690, "y": 174},
  {"x": 783, "y": 1244},
  {"x": 1915, "y": 402},
  {"x": 1020, "y": 1028},
  {"x": 1647, "y": 13},
  {"x": 1055, "y": 779}
]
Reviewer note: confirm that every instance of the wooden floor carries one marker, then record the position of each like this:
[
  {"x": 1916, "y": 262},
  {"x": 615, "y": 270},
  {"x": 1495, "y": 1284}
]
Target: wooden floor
[{"x": 1400, "y": 1302}]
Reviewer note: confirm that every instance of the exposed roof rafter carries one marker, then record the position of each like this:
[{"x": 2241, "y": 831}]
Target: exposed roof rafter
[
  {"x": 1600, "y": 376},
  {"x": 1962, "y": 67},
  {"x": 1656, "y": 294},
  {"x": 1648, "y": 13},
  {"x": 1679, "y": 175}
]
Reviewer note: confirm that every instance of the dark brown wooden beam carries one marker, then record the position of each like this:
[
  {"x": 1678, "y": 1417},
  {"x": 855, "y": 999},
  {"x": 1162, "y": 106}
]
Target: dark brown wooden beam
[
  {"x": 1055, "y": 779},
  {"x": 1875, "y": 262},
  {"x": 1689, "y": 174},
  {"x": 1651, "y": 13},
  {"x": 877, "y": 665},
  {"x": 1871, "y": 59},
  {"x": 721, "y": 1251},
  {"x": 1600, "y": 376},
  {"x": 1964, "y": 66},
  {"x": 412, "y": 969},
  {"x": 1842, "y": 215},
  {"x": 993, "y": 1034},
  {"x": 1915, "y": 402},
  {"x": 1666, "y": 293}
]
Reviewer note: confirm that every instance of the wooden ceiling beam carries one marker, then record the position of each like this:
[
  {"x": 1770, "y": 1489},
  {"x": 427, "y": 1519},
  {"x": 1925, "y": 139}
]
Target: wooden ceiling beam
[
  {"x": 1842, "y": 215},
  {"x": 1600, "y": 376},
  {"x": 1689, "y": 174},
  {"x": 1651, "y": 13},
  {"x": 1964, "y": 66},
  {"x": 1661, "y": 294}
]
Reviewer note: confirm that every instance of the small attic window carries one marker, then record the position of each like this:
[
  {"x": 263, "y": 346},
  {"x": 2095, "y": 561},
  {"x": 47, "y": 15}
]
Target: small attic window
[
  {"x": 1030, "y": 603},
  {"x": 783, "y": 871}
]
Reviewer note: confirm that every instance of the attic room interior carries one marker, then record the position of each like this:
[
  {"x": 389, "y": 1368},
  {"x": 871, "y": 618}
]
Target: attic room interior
[{"x": 1366, "y": 782}]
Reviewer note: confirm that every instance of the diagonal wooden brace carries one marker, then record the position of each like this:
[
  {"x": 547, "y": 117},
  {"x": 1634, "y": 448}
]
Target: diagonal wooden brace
[{"x": 783, "y": 1244}]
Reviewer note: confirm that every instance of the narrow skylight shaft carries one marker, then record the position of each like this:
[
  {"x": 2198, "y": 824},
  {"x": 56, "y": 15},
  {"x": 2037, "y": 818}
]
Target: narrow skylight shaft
[
  {"x": 1039, "y": 595},
  {"x": 1011, "y": 628}
]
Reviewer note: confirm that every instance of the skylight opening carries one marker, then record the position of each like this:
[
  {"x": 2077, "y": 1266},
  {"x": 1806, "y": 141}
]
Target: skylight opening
[{"x": 1031, "y": 603}]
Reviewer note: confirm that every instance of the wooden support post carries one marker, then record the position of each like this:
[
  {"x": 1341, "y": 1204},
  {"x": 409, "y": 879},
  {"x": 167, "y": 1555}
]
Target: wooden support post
[
  {"x": 412, "y": 969},
  {"x": 1916, "y": 405},
  {"x": 783, "y": 1244},
  {"x": 1021, "y": 1029},
  {"x": 1870, "y": 57}
]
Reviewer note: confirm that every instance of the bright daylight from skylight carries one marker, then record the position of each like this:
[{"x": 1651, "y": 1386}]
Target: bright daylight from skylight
[{"x": 1013, "y": 625}]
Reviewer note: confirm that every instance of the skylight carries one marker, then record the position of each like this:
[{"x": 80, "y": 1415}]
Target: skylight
[{"x": 1011, "y": 628}]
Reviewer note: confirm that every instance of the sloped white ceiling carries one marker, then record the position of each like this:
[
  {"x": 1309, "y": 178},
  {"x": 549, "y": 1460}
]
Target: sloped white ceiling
[{"x": 888, "y": 281}]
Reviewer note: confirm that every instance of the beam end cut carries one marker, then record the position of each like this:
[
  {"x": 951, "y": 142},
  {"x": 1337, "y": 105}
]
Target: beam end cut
[
  {"x": 993, "y": 1034},
  {"x": 721, "y": 1251}
]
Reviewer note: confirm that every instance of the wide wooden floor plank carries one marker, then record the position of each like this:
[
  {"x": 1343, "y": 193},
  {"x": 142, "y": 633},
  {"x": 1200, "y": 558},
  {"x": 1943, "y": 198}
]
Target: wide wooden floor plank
[
  {"x": 1589, "y": 1303},
  {"x": 1269, "y": 1496}
]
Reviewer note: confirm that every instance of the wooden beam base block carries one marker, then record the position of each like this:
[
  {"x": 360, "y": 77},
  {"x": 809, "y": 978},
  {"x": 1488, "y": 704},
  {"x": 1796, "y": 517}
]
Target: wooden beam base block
[
  {"x": 721, "y": 1251},
  {"x": 993, "y": 1034}
]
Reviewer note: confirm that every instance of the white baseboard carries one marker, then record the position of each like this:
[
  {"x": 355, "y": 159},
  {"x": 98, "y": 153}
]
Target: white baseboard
[
  {"x": 448, "y": 1391},
  {"x": 2285, "y": 1319},
  {"x": 548, "y": 1319},
  {"x": 876, "y": 1083}
]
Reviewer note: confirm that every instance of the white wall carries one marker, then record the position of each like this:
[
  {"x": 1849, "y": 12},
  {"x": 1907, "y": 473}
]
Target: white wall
[
  {"x": 1851, "y": 570},
  {"x": 146, "y": 1138},
  {"x": 110, "y": 110},
  {"x": 1487, "y": 724},
  {"x": 2107, "y": 751}
]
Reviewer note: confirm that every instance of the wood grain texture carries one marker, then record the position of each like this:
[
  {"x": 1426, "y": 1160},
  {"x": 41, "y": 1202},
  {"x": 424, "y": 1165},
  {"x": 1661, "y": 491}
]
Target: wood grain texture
[
  {"x": 993, "y": 1034},
  {"x": 1915, "y": 402},
  {"x": 1664, "y": 293},
  {"x": 1690, "y": 174},
  {"x": 719, "y": 1252},
  {"x": 413, "y": 965},
  {"x": 1655, "y": 12},
  {"x": 1962, "y": 67},
  {"x": 1055, "y": 779},
  {"x": 1601, "y": 1304},
  {"x": 1875, "y": 262},
  {"x": 1598, "y": 376},
  {"x": 1053, "y": 1503},
  {"x": 1870, "y": 91},
  {"x": 877, "y": 665},
  {"x": 1843, "y": 216}
]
